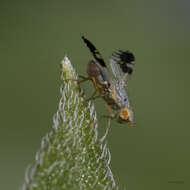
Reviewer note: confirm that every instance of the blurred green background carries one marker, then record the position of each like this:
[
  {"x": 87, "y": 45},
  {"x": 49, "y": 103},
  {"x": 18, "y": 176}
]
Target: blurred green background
[{"x": 35, "y": 36}]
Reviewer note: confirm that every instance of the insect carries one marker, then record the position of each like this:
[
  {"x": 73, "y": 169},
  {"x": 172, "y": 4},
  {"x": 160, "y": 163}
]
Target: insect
[{"x": 112, "y": 87}]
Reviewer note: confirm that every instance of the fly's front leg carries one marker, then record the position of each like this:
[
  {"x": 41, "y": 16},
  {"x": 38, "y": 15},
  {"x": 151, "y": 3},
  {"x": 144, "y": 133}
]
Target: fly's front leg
[
  {"x": 109, "y": 110},
  {"x": 108, "y": 125}
]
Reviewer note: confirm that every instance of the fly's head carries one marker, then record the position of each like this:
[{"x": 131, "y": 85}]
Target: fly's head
[{"x": 126, "y": 116}]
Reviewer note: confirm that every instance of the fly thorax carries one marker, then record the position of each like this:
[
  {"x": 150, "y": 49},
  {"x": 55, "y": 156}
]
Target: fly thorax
[{"x": 122, "y": 98}]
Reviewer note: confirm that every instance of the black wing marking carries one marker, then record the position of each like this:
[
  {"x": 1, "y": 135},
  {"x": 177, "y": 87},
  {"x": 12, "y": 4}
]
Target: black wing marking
[
  {"x": 121, "y": 63},
  {"x": 94, "y": 52},
  {"x": 125, "y": 60}
]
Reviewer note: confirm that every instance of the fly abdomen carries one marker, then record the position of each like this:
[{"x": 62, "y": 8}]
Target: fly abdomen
[{"x": 93, "y": 69}]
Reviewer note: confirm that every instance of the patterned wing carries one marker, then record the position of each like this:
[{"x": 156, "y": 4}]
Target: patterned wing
[
  {"x": 94, "y": 52},
  {"x": 121, "y": 63}
]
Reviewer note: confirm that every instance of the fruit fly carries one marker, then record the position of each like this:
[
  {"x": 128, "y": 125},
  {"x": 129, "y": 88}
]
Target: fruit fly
[{"x": 112, "y": 87}]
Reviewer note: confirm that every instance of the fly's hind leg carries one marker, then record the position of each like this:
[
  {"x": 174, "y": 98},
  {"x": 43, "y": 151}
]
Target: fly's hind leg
[
  {"x": 93, "y": 96},
  {"x": 83, "y": 79}
]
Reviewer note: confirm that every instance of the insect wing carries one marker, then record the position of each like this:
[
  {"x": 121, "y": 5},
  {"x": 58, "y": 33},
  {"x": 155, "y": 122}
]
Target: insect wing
[
  {"x": 102, "y": 74},
  {"x": 96, "y": 54},
  {"x": 121, "y": 63}
]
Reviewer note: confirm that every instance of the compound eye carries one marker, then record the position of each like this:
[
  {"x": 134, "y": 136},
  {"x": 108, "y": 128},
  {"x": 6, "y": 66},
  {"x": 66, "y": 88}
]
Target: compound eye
[{"x": 124, "y": 114}]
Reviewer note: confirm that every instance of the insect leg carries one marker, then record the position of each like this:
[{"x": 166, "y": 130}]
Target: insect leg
[
  {"x": 108, "y": 126},
  {"x": 79, "y": 81},
  {"x": 109, "y": 110},
  {"x": 83, "y": 79},
  {"x": 93, "y": 96}
]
